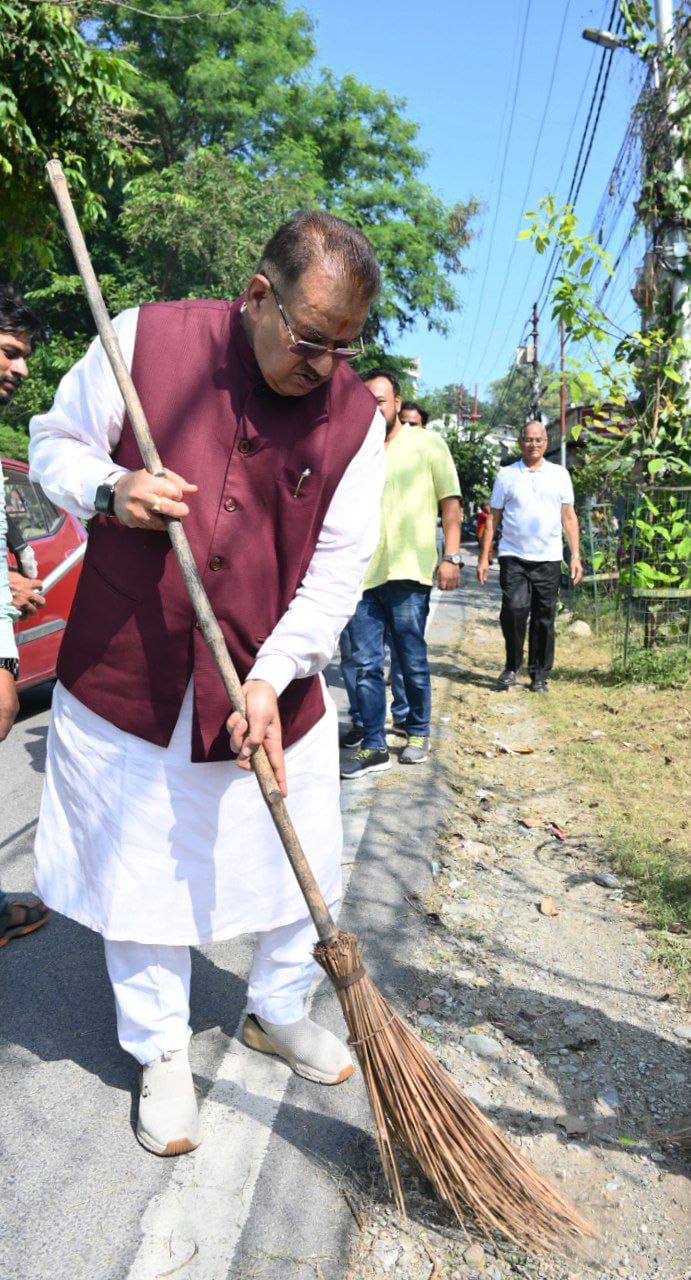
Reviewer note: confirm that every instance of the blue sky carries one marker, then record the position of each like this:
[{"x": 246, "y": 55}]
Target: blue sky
[{"x": 457, "y": 65}]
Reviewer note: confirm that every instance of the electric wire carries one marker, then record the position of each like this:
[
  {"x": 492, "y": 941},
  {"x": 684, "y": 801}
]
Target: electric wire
[
  {"x": 577, "y": 178},
  {"x": 538, "y": 140},
  {"x": 565, "y": 151},
  {"x": 479, "y": 308}
]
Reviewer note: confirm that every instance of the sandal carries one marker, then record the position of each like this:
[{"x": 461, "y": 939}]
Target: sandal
[{"x": 35, "y": 914}]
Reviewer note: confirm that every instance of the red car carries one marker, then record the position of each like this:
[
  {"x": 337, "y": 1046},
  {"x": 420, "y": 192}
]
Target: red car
[{"x": 53, "y": 534}]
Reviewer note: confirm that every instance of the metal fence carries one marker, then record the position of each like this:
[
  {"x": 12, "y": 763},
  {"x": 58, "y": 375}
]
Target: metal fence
[
  {"x": 596, "y": 594},
  {"x": 653, "y": 605}
]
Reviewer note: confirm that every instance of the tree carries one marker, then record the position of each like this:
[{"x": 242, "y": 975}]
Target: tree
[
  {"x": 49, "y": 361},
  {"x": 197, "y": 228},
  {"x": 511, "y": 396},
  {"x": 235, "y": 131},
  {"x": 476, "y": 458},
  {"x": 240, "y": 81},
  {"x": 58, "y": 94},
  {"x": 442, "y": 402},
  {"x": 228, "y": 76}
]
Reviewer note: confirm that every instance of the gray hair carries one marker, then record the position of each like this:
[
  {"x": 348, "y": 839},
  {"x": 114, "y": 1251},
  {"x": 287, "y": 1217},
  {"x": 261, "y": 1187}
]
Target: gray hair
[
  {"x": 312, "y": 235},
  {"x": 534, "y": 423}
]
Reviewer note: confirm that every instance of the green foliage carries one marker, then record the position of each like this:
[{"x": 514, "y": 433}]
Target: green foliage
[
  {"x": 50, "y": 360},
  {"x": 653, "y": 440},
  {"x": 13, "y": 443},
  {"x": 59, "y": 94},
  {"x": 197, "y": 228},
  {"x": 239, "y": 82},
  {"x": 442, "y": 402},
  {"x": 231, "y": 77},
  {"x": 511, "y": 396},
  {"x": 477, "y": 461},
  {"x": 667, "y": 668},
  {"x": 571, "y": 296},
  {"x": 666, "y": 186},
  {"x": 234, "y": 131}
]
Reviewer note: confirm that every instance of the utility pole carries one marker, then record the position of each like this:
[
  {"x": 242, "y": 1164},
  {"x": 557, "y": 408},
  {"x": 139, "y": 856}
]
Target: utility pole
[
  {"x": 673, "y": 241},
  {"x": 535, "y": 401},
  {"x": 562, "y": 398},
  {"x": 459, "y": 410}
]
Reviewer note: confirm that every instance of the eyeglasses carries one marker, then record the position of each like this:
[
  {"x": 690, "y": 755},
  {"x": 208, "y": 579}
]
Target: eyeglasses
[{"x": 313, "y": 350}]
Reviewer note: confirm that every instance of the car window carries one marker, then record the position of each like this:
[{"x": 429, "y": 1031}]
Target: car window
[
  {"x": 26, "y": 518},
  {"x": 52, "y": 514}
]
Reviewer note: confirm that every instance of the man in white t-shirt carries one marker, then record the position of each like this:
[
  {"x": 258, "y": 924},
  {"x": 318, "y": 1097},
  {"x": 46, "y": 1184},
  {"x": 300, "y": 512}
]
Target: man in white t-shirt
[{"x": 533, "y": 500}]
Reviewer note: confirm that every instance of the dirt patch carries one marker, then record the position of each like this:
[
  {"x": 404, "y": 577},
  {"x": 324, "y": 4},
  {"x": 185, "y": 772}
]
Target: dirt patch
[{"x": 541, "y": 996}]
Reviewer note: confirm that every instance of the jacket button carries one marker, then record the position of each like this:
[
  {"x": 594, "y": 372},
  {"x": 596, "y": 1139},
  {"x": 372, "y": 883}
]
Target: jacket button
[
  {"x": 216, "y": 562},
  {"x": 245, "y": 446},
  {"x": 230, "y": 504}
]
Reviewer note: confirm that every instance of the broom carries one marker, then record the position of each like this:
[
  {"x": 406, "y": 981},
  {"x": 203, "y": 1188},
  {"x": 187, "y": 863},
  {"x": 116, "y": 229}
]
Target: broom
[{"x": 415, "y": 1101}]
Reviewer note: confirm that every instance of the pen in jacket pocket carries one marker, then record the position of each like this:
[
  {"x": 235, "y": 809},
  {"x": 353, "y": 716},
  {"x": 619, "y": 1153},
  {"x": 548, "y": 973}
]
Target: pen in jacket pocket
[{"x": 303, "y": 476}]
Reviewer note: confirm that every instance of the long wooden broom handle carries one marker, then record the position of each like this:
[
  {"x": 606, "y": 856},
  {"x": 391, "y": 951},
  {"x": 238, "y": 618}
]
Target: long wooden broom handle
[{"x": 209, "y": 626}]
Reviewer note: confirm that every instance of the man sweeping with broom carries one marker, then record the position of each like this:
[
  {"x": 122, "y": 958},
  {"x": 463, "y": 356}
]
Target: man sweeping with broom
[{"x": 148, "y": 832}]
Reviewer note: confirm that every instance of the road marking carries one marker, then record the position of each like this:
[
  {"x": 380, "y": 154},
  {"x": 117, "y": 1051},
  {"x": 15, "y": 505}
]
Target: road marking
[{"x": 193, "y": 1227}]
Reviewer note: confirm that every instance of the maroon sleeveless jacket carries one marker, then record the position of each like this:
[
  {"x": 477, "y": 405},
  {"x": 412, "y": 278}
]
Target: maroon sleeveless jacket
[{"x": 131, "y": 643}]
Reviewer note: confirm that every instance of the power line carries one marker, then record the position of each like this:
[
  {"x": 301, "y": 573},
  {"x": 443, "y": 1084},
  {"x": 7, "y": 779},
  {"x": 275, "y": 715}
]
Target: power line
[
  {"x": 534, "y": 262},
  {"x": 577, "y": 179},
  {"x": 536, "y": 148},
  {"x": 478, "y": 310}
]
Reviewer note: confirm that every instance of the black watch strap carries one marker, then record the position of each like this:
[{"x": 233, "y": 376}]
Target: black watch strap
[
  {"x": 10, "y": 664},
  {"x": 104, "y": 501}
]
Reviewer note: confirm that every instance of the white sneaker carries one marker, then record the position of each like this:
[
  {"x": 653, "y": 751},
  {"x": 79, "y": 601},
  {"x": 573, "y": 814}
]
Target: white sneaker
[
  {"x": 168, "y": 1121},
  {"x": 310, "y": 1050}
]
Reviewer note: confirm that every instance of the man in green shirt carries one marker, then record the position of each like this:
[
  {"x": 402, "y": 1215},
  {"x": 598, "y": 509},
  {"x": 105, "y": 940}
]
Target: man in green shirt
[{"x": 420, "y": 478}]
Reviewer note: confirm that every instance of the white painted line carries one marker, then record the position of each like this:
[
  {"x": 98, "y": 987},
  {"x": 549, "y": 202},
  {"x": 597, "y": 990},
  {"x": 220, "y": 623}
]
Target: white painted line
[{"x": 193, "y": 1227}]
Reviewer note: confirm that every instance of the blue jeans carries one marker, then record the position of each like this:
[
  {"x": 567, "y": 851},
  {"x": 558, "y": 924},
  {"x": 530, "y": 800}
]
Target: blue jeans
[
  {"x": 402, "y": 607},
  {"x": 349, "y": 672},
  {"x": 399, "y": 702}
]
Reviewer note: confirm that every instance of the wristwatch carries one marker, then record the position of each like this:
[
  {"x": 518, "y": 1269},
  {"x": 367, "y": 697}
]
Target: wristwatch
[
  {"x": 454, "y": 557},
  {"x": 104, "y": 501},
  {"x": 11, "y": 665}
]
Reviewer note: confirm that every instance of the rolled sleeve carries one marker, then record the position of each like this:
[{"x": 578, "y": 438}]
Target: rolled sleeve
[
  {"x": 71, "y": 444},
  {"x": 305, "y": 638}
]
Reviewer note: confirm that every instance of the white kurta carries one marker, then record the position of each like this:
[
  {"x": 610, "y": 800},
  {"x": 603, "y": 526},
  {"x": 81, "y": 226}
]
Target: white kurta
[{"x": 133, "y": 839}]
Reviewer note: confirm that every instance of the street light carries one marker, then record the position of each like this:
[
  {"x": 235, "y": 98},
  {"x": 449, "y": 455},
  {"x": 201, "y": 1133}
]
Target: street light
[{"x": 607, "y": 39}]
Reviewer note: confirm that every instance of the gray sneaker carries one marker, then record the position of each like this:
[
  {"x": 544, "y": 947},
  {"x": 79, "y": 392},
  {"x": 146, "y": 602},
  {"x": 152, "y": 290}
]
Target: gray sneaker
[
  {"x": 168, "y": 1120},
  {"x": 367, "y": 760},
  {"x": 310, "y": 1050},
  {"x": 416, "y": 751}
]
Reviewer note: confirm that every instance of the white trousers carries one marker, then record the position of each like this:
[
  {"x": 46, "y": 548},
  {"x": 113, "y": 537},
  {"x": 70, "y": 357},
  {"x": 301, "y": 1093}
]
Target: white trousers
[{"x": 151, "y": 985}]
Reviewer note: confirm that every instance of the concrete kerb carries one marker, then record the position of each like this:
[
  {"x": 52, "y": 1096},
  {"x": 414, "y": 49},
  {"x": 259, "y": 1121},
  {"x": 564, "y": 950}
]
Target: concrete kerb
[{"x": 322, "y": 1143}]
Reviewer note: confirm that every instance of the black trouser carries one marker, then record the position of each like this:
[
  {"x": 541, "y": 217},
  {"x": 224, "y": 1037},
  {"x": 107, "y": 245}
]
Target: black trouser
[{"x": 529, "y": 590}]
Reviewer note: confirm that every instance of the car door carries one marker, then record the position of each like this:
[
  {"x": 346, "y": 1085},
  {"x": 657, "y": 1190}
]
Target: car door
[{"x": 52, "y": 534}]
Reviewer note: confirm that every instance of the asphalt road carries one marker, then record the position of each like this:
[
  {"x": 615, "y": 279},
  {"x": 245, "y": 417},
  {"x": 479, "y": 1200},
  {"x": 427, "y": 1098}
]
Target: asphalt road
[{"x": 262, "y": 1196}]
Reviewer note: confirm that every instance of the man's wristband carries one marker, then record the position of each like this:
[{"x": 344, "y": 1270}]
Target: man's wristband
[
  {"x": 454, "y": 557},
  {"x": 11, "y": 665}
]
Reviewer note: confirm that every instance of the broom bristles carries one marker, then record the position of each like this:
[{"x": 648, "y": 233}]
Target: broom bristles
[{"x": 416, "y": 1102}]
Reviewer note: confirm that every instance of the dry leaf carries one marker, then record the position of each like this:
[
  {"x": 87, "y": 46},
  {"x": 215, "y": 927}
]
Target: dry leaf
[
  {"x": 519, "y": 750},
  {"x": 547, "y": 907}
]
